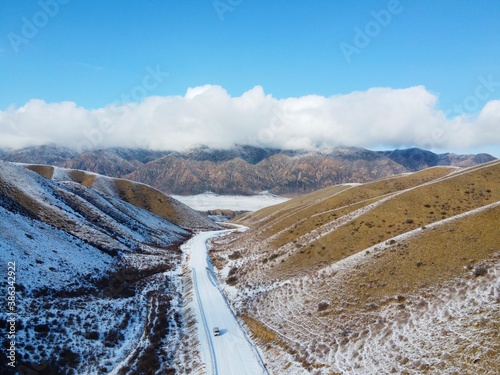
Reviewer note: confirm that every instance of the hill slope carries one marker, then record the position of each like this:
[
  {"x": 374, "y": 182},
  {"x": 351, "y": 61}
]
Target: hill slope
[
  {"x": 77, "y": 252},
  {"x": 138, "y": 194},
  {"x": 399, "y": 275}
]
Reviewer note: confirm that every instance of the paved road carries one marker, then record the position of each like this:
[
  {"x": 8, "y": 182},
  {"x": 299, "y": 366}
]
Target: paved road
[{"x": 230, "y": 353}]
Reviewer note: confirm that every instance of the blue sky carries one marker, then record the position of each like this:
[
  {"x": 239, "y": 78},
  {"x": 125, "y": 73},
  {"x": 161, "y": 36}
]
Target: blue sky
[{"x": 94, "y": 53}]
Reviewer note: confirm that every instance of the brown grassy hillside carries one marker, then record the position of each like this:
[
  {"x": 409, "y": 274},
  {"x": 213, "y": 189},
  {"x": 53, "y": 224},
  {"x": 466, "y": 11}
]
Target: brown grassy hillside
[
  {"x": 399, "y": 275},
  {"x": 335, "y": 202}
]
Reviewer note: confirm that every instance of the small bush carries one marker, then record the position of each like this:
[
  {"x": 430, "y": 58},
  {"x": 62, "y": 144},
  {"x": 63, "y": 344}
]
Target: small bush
[
  {"x": 235, "y": 255},
  {"x": 68, "y": 358},
  {"x": 480, "y": 271},
  {"x": 323, "y": 306},
  {"x": 94, "y": 335},
  {"x": 273, "y": 257},
  {"x": 371, "y": 306},
  {"x": 148, "y": 362},
  {"x": 42, "y": 328},
  {"x": 112, "y": 338}
]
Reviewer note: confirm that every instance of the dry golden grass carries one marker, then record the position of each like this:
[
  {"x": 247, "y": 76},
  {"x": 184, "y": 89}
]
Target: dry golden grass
[
  {"x": 148, "y": 198},
  {"x": 13, "y": 192},
  {"x": 306, "y": 214},
  {"x": 425, "y": 273},
  {"x": 140, "y": 195},
  {"x": 362, "y": 194},
  {"x": 300, "y": 216},
  {"x": 47, "y": 213},
  {"x": 82, "y": 177},
  {"x": 309, "y": 223},
  {"x": 267, "y": 337},
  {"x": 410, "y": 210},
  {"x": 260, "y": 332},
  {"x": 428, "y": 259},
  {"x": 46, "y": 171},
  {"x": 265, "y": 215}
]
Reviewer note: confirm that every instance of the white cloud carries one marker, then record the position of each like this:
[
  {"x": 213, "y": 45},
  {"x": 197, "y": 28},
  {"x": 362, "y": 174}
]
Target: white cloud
[{"x": 208, "y": 115}]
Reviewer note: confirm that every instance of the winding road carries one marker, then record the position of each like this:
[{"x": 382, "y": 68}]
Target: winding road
[{"x": 230, "y": 353}]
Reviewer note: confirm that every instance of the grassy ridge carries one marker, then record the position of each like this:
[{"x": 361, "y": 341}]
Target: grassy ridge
[
  {"x": 410, "y": 210},
  {"x": 306, "y": 213},
  {"x": 429, "y": 258}
]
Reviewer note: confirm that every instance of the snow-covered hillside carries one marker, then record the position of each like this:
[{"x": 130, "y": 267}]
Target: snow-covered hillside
[
  {"x": 94, "y": 277},
  {"x": 140, "y": 195}
]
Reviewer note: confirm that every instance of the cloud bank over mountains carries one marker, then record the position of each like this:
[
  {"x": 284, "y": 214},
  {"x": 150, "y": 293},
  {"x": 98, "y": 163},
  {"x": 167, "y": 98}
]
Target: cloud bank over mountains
[{"x": 208, "y": 115}]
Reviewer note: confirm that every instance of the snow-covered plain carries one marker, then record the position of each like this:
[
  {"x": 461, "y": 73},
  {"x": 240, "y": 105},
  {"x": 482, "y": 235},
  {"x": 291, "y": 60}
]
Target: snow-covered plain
[{"x": 210, "y": 201}]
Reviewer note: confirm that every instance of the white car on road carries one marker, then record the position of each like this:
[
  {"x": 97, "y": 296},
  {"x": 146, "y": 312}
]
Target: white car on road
[{"x": 216, "y": 331}]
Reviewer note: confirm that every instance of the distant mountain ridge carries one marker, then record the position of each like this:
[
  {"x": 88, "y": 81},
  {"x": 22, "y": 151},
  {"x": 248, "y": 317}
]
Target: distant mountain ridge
[
  {"x": 416, "y": 159},
  {"x": 243, "y": 169}
]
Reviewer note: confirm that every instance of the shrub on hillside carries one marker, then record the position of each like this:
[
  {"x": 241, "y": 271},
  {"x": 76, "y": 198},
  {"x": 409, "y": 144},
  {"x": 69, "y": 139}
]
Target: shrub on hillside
[
  {"x": 235, "y": 255},
  {"x": 231, "y": 280},
  {"x": 479, "y": 271},
  {"x": 323, "y": 306}
]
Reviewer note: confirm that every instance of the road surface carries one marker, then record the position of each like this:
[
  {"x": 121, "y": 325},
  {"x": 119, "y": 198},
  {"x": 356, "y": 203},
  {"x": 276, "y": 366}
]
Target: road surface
[{"x": 230, "y": 353}]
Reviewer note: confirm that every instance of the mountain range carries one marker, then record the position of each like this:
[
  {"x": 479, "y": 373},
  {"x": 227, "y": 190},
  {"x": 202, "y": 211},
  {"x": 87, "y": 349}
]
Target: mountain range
[{"x": 242, "y": 170}]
